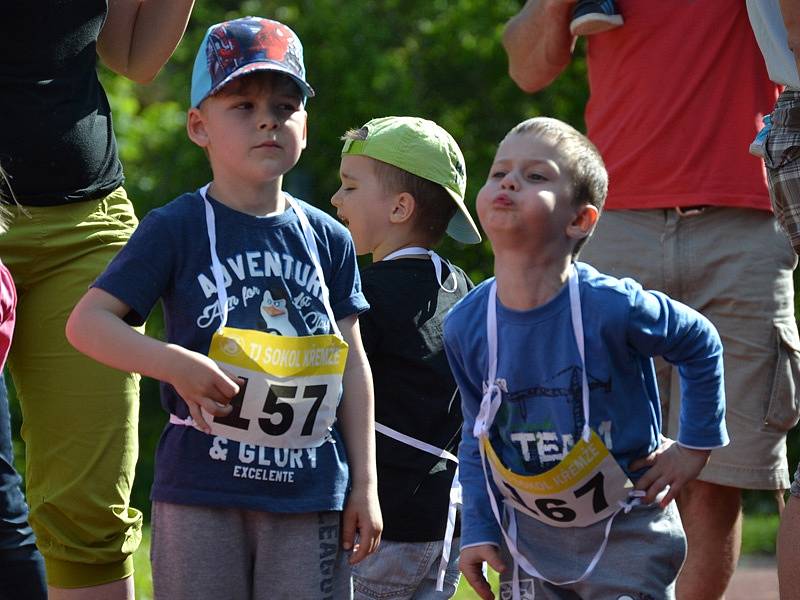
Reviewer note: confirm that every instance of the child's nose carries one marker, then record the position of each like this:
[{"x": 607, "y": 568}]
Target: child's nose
[
  {"x": 267, "y": 120},
  {"x": 508, "y": 182},
  {"x": 335, "y": 200}
]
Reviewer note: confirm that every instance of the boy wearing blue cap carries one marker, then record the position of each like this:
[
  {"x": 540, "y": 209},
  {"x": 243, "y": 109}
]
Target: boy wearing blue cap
[
  {"x": 403, "y": 183},
  {"x": 261, "y": 298}
]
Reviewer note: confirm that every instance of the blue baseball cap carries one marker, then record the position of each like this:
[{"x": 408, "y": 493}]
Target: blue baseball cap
[{"x": 234, "y": 48}]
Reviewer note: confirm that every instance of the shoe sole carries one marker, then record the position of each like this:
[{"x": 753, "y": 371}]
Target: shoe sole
[{"x": 594, "y": 23}]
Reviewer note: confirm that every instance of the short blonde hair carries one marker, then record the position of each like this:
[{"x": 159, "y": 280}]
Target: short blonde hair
[{"x": 587, "y": 172}]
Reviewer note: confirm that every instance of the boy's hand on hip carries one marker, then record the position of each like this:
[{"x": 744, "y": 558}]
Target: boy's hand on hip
[
  {"x": 671, "y": 465},
  {"x": 362, "y": 516},
  {"x": 202, "y": 384},
  {"x": 470, "y": 562}
]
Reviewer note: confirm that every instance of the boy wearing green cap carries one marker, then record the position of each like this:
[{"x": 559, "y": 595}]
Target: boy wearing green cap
[
  {"x": 403, "y": 182},
  {"x": 259, "y": 492}
]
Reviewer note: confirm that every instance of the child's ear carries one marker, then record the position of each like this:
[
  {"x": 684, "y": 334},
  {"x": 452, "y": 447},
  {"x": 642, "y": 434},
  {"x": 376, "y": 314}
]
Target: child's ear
[
  {"x": 196, "y": 127},
  {"x": 403, "y": 206},
  {"x": 304, "y": 143},
  {"x": 584, "y": 221}
]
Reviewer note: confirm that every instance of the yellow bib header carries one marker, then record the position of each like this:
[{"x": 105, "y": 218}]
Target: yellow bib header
[
  {"x": 279, "y": 355},
  {"x": 577, "y": 464}
]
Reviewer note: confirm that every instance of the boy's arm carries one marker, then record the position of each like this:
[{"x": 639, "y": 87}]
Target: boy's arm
[
  {"x": 96, "y": 328},
  {"x": 480, "y": 535},
  {"x": 685, "y": 338},
  {"x": 362, "y": 513},
  {"x": 790, "y": 9},
  {"x": 139, "y": 36},
  {"x": 538, "y": 42}
]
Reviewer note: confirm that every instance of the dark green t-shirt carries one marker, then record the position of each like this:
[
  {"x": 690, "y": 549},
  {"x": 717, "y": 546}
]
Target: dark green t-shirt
[{"x": 56, "y": 137}]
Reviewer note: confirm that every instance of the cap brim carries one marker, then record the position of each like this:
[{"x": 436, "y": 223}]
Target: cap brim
[
  {"x": 254, "y": 67},
  {"x": 461, "y": 227}
]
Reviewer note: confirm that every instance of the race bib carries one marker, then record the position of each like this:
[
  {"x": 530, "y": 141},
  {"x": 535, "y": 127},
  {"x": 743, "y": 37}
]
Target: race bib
[
  {"x": 290, "y": 390},
  {"x": 584, "y": 488}
]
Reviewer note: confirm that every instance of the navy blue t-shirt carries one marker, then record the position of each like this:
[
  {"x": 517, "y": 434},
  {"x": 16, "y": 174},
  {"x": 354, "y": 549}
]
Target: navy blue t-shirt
[{"x": 266, "y": 263}]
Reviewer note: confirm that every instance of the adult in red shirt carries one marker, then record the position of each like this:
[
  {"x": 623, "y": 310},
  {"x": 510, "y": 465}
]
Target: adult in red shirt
[{"x": 677, "y": 95}]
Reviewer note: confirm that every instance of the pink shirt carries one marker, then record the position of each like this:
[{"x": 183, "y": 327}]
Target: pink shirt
[
  {"x": 8, "y": 306},
  {"x": 677, "y": 95}
]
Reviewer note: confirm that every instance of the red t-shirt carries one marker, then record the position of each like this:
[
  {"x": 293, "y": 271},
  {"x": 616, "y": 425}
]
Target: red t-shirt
[
  {"x": 8, "y": 306},
  {"x": 677, "y": 95}
]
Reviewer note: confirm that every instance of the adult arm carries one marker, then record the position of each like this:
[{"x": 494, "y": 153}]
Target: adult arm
[
  {"x": 538, "y": 42},
  {"x": 139, "y": 36},
  {"x": 362, "y": 513},
  {"x": 790, "y": 9}
]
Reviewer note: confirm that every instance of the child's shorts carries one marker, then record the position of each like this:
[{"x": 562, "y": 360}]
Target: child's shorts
[
  {"x": 208, "y": 553},
  {"x": 405, "y": 570},
  {"x": 646, "y": 549}
]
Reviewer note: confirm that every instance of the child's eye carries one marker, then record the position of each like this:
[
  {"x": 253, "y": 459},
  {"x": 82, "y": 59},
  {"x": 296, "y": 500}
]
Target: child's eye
[
  {"x": 287, "y": 107},
  {"x": 243, "y": 105},
  {"x": 537, "y": 177},
  {"x": 497, "y": 174}
]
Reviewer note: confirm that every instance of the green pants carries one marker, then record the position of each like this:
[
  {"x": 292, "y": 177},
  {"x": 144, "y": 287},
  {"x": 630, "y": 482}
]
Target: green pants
[{"x": 79, "y": 418}]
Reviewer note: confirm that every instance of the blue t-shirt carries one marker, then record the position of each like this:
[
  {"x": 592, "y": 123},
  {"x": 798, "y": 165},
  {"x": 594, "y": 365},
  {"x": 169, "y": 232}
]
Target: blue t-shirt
[
  {"x": 266, "y": 264},
  {"x": 541, "y": 415}
]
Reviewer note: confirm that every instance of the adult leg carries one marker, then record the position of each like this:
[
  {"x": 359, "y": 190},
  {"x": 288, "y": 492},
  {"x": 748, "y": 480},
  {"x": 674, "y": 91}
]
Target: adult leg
[
  {"x": 79, "y": 417},
  {"x": 21, "y": 565},
  {"x": 788, "y": 543},
  {"x": 712, "y": 518}
]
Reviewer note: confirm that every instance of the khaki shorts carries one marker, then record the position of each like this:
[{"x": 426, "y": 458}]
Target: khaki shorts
[
  {"x": 734, "y": 266},
  {"x": 79, "y": 418}
]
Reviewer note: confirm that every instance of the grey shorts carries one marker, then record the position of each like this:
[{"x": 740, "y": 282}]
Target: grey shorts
[
  {"x": 646, "y": 549},
  {"x": 734, "y": 266},
  {"x": 204, "y": 553},
  {"x": 782, "y": 159}
]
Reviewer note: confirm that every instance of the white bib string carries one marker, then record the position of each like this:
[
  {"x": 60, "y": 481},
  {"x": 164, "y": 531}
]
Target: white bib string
[
  {"x": 216, "y": 265},
  {"x": 437, "y": 264}
]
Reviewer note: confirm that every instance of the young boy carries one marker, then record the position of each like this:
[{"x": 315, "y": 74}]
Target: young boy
[
  {"x": 252, "y": 471},
  {"x": 403, "y": 182},
  {"x": 561, "y": 410}
]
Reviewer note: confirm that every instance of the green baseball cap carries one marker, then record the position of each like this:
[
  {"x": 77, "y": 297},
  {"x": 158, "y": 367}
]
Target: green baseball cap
[{"x": 426, "y": 150}]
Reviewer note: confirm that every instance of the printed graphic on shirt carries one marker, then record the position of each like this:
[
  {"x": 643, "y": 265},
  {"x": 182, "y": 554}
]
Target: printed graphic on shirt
[
  {"x": 259, "y": 463},
  {"x": 285, "y": 288},
  {"x": 543, "y": 422}
]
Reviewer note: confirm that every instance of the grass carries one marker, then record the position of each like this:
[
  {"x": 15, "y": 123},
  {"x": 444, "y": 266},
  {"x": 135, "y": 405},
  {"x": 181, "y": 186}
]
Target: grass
[{"x": 758, "y": 537}]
